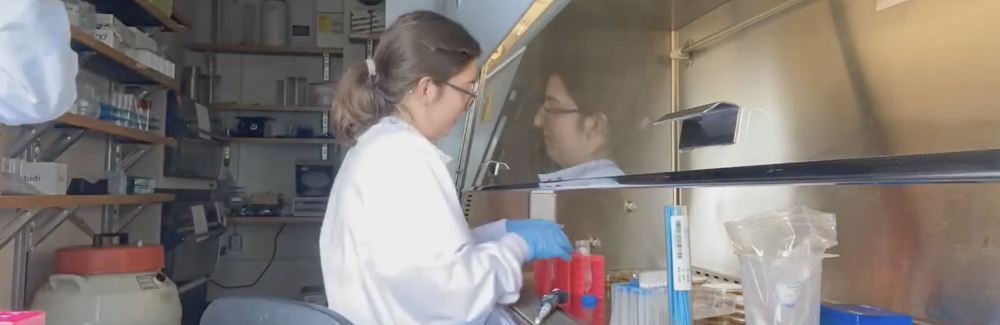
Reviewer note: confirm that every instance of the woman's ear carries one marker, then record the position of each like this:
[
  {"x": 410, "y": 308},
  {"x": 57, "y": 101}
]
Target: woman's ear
[
  {"x": 421, "y": 89},
  {"x": 597, "y": 124},
  {"x": 427, "y": 91}
]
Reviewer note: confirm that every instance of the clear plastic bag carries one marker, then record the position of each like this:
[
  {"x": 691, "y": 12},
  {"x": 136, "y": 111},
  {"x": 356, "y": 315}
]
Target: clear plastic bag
[
  {"x": 781, "y": 255},
  {"x": 796, "y": 232},
  {"x": 781, "y": 291}
]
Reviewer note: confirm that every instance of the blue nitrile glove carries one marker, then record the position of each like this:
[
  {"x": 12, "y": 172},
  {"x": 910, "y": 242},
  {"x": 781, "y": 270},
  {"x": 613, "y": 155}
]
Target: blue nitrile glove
[
  {"x": 513, "y": 225},
  {"x": 545, "y": 242}
]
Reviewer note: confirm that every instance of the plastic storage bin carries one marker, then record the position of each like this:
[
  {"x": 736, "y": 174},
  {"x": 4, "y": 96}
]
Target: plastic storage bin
[
  {"x": 851, "y": 314},
  {"x": 634, "y": 305}
]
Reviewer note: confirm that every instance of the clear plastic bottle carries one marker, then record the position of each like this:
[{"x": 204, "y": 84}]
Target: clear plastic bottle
[
  {"x": 86, "y": 101},
  {"x": 589, "y": 304}
]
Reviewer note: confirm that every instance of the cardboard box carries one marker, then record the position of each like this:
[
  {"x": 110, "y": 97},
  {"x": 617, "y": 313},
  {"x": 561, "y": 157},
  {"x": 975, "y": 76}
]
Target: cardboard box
[
  {"x": 144, "y": 57},
  {"x": 142, "y": 41},
  {"x": 106, "y": 21},
  {"x": 48, "y": 178},
  {"x": 264, "y": 198},
  {"x": 112, "y": 39},
  {"x": 113, "y": 32}
]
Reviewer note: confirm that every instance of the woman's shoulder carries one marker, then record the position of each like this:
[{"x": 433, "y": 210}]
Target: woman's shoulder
[
  {"x": 390, "y": 142},
  {"x": 383, "y": 151}
]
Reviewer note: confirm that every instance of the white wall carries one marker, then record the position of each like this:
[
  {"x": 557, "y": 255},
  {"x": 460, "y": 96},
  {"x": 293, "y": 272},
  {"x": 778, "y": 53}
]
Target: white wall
[
  {"x": 396, "y": 8},
  {"x": 296, "y": 262},
  {"x": 249, "y": 79}
]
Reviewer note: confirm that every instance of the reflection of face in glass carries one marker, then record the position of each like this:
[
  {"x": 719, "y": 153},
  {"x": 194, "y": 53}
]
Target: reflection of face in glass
[{"x": 572, "y": 136}]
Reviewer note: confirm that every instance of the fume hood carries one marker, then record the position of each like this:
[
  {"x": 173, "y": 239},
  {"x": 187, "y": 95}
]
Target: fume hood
[
  {"x": 510, "y": 88},
  {"x": 830, "y": 116}
]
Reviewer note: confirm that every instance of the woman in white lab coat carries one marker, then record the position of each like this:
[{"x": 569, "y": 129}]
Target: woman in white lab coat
[{"x": 395, "y": 246}]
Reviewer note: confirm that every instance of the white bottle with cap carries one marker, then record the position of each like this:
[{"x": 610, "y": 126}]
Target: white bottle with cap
[{"x": 274, "y": 23}]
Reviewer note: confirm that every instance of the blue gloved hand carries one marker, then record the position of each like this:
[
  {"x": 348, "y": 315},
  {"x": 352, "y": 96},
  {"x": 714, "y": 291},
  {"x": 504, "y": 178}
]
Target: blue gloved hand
[
  {"x": 545, "y": 242},
  {"x": 513, "y": 225}
]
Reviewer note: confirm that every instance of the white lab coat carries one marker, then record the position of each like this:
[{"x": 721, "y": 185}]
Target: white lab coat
[
  {"x": 395, "y": 247},
  {"x": 37, "y": 66},
  {"x": 594, "y": 173}
]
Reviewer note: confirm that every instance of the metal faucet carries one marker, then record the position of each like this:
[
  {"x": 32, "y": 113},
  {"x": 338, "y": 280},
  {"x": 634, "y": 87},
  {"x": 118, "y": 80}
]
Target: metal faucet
[{"x": 549, "y": 303}]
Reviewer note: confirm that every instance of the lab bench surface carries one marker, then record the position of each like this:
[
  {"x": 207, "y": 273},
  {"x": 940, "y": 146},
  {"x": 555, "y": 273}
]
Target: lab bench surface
[{"x": 525, "y": 309}]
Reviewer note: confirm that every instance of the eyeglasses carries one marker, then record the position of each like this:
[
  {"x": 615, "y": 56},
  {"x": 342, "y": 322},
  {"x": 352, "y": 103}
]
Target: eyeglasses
[
  {"x": 472, "y": 95},
  {"x": 559, "y": 110}
]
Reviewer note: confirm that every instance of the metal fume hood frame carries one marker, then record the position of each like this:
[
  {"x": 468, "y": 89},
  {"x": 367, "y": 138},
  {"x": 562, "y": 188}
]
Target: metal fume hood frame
[
  {"x": 976, "y": 166},
  {"x": 684, "y": 53}
]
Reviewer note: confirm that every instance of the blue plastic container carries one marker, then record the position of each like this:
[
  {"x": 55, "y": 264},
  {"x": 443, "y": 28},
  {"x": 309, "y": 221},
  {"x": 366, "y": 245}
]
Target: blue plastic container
[{"x": 853, "y": 314}]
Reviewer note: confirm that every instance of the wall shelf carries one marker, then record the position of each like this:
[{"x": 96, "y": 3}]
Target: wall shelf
[
  {"x": 274, "y": 220},
  {"x": 271, "y": 108},
  {"x": 364, "y": 37},
  {"x": 290, "y": 140},
  {"x": 115, "y": 65},
  {"x": 111, "y": 128},
  {"x": 264, "y": 50},
  {"x": 974, "y": 166},
  {"x": 48, "y": 201},
  {"x": 138, "y": 13}
]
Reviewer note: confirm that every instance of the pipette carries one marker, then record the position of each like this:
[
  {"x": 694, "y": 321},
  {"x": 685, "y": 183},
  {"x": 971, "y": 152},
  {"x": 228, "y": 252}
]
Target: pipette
[{"x": 549, "y": 303}]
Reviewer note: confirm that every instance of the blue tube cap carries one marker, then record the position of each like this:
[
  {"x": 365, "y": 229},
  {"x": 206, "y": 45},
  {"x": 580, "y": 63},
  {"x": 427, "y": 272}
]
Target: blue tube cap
[{"x": 588, "y": 301}]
